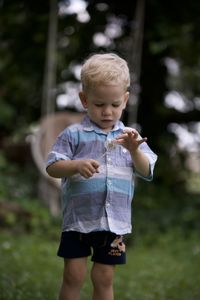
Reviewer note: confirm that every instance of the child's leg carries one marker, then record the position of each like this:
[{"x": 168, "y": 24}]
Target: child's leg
[
  {"x": 102, "y": 279},
  {"x": 73, "y": 277}
]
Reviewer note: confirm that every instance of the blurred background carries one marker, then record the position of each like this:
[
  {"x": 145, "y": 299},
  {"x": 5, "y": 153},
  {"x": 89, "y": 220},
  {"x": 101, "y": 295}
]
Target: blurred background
[{"x": 42, "y": 47}]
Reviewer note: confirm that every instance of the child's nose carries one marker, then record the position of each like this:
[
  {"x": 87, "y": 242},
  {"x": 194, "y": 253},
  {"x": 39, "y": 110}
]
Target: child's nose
[{"x": 106, "y": 111}]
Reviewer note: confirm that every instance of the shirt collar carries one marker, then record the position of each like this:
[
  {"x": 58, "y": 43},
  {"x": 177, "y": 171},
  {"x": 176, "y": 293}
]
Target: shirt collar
[{"x": 88, "y": 125}]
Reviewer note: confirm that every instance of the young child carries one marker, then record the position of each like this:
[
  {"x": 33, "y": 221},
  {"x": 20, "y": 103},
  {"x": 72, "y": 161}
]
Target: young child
[{"x": 97, "y": 161}]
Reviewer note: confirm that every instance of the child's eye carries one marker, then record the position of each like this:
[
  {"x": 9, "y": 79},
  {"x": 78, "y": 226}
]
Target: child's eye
[
  {"x": 98, "y": 104},
  {"x": 116, "y": 105}
]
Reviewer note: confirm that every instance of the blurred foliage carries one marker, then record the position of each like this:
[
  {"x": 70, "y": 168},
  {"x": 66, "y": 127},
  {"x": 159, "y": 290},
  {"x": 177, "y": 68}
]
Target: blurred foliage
[
  {"x": 20, "y": 209},
  {"x": 159, "y": 210},
  {"x": 23, "y": 39}
]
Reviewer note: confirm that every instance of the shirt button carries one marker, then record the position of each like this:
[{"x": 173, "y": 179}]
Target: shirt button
[
  {"x": 107, "y": 204},
  {"x": 109, "y": 182}
]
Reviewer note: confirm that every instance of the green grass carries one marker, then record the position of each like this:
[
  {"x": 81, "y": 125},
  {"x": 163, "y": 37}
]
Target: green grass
[
  {"x": 29, "y": 268},
  {"x": 166, "y": 270}
]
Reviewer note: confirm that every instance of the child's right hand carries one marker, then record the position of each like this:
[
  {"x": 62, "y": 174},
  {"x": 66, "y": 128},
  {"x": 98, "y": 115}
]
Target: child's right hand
[{"x": 88, "y": 167}]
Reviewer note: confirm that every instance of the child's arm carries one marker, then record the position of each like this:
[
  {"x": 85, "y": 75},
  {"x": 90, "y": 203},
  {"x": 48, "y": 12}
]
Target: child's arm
[
  {"x": 66, "y": 168},
  {"x": 129, "y": 139},
  {"x": 141, "y": 162}
]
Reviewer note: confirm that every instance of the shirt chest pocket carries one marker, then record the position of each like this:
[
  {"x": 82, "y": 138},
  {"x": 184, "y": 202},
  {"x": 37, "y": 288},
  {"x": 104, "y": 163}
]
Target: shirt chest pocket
[{"x": 121, "y": 158}]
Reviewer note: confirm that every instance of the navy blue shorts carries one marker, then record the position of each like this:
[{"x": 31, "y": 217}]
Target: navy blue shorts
[{"x": 105, "y": 247}]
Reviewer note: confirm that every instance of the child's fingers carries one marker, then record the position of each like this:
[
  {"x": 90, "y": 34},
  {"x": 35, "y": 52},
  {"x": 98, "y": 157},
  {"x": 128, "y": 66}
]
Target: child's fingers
[
  {"x": 95, "y": 166},
  {"x": 142, "y": 140},
  {"x": 88, "y": 168},
  {"x": 95, "y": 163},
  {"x": 121, "y": 136},
  {"x": 127, "y": 135}
]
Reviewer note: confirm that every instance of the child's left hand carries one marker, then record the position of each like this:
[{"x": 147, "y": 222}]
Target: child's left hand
[{"x": 130, "y": 139}]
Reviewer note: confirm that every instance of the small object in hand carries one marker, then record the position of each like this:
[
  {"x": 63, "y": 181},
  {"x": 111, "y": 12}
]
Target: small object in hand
[{"x": 109, "y": 145}]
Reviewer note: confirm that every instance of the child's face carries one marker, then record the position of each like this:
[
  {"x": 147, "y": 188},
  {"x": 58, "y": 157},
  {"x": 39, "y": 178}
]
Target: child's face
[{"x": 105, "y": 104}]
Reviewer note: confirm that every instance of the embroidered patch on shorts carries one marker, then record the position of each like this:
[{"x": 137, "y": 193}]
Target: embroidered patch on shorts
[{"x": 118, "y": 247}]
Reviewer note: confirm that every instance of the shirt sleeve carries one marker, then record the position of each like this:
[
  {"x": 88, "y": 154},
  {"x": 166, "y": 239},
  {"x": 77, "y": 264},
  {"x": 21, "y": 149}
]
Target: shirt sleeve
[
  {"x": 152, "y": 157},
  {"x": 62, "y": 149}
]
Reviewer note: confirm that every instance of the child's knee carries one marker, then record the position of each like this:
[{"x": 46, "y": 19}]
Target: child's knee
[
  {"x": 102, "y": 275},
  {"x": 74, "y": 274}
]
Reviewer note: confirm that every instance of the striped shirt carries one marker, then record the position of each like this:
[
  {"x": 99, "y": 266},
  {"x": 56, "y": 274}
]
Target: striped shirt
[{"x": 102, "y": 202}]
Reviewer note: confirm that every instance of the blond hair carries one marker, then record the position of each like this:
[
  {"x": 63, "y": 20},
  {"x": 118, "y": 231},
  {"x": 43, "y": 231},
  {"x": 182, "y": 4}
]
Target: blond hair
[{"x": 106, "y": 68}]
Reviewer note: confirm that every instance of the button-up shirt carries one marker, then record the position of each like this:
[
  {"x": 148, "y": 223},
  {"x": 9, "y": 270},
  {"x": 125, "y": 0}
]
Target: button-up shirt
[{"x": 102, "y": 202}]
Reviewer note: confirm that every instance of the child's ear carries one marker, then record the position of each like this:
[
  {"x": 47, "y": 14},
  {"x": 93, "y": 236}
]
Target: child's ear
[
  {"x": 126, "y": 96},
  {"x": 83, "y": 99}
]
